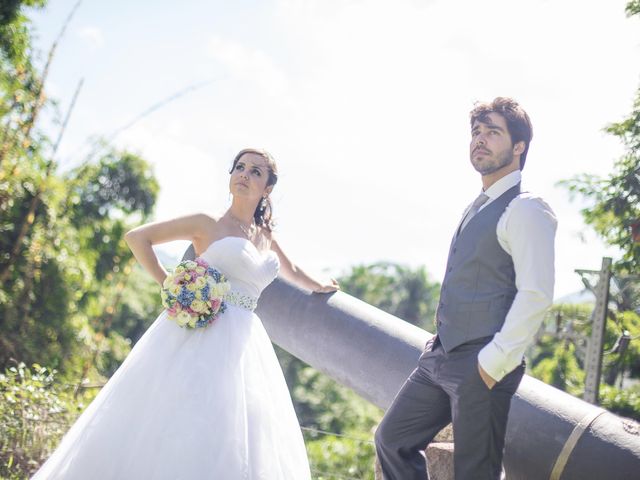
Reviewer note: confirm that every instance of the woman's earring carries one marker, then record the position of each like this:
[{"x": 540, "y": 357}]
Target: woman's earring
[{"x": 263, "y": 203}]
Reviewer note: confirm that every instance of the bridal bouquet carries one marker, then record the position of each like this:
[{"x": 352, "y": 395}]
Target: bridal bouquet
[{"x": 193, "y": 293}]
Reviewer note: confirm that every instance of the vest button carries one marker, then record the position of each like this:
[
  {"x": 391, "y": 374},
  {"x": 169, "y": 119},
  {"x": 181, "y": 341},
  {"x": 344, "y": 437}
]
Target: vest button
[{"x": 449, "y": 269}]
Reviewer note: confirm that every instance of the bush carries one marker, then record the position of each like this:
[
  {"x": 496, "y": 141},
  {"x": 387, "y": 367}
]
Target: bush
[
  {"x": 341, "y": 457},
  {"x": 561, "y": 369},
  {"x": 34, "y": 415},
  {"x": 622, "y": 402}
]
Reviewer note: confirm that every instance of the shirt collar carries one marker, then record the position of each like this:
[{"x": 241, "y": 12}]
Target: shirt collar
[{"x": 504, "y": 184}]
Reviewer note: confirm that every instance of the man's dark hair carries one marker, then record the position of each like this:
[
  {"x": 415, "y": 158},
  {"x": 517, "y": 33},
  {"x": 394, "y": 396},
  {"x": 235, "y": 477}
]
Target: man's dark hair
[{"x": 518, "y": 122}]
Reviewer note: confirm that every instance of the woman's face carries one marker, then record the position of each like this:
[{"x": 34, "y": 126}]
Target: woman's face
[{"x": 249, "y": 177}]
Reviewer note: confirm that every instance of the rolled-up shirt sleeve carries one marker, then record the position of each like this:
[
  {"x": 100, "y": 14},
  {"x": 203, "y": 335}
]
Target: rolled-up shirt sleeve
[{"x": 526, "y": 231}]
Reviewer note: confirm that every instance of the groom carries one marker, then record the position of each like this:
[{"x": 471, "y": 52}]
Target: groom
[{"x": 497, "y": 286}]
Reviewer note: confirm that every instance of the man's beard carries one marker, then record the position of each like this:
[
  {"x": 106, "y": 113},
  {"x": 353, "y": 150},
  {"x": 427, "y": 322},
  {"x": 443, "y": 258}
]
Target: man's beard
[{"x": 501, "y": 161}]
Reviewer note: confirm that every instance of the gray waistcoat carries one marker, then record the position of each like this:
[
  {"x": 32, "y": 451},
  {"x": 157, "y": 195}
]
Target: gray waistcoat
[{"x": 479, "y": 284}]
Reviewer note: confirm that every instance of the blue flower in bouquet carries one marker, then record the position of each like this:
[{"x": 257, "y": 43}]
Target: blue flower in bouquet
[
  {"x": 217, "y": 276},
  {"x": 168, "y": 299},
  {"x": 186, "y": 297},
  {"x": 194, "y": 293},
  {"x": 205, "y": 292}
]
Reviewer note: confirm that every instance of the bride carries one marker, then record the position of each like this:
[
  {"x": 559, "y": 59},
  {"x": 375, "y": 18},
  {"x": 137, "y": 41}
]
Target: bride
[{"x": 206, "y": 403}]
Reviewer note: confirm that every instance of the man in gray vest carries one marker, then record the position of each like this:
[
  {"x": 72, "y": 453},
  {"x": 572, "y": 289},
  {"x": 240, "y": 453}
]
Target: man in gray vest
[{"x": 497, "y": 286}]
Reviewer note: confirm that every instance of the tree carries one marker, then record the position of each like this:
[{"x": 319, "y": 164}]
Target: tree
[
  {"x": 559, "y": 354},
  {"x": 633, "y": 7},
  {"x": 21, "y": 94},
  {"x": 614, "y": 212},
  {"x": 396, "y": 289},
  {"x": 70, "y": 295},
  {"x": 72, "y": 273},
  {"x": 63, "y": 264}
]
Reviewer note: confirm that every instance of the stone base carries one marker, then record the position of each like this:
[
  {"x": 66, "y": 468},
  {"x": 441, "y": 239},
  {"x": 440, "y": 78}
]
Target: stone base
[
  {"x": 445, "y": 435},
  {"x": 440, "y": 462}
]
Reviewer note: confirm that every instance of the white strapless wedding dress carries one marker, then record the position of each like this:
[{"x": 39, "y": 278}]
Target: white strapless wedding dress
[{"x": 201, "y": 404}]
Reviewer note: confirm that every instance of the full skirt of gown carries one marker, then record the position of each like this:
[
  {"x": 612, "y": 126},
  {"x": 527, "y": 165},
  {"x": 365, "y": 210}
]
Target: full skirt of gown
[{"x": 209, "y": 403}]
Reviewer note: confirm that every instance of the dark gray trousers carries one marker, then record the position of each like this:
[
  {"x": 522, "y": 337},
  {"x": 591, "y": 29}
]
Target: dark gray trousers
[{"x": 447, "y": 387}]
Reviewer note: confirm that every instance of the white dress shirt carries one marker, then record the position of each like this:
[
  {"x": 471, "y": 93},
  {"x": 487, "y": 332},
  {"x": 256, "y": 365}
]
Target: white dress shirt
[{"x": 526, "y": 231}]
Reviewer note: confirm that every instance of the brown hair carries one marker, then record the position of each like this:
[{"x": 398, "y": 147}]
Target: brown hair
[
  {"x": 263, "y": 214},
  {"x": 518, "y": 122}
]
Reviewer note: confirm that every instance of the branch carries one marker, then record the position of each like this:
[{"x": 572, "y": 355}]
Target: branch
[
  {"x": 148, "y": 112},
  {"x": 35, "y": 201},
  {"x": 39, "y": 94}
]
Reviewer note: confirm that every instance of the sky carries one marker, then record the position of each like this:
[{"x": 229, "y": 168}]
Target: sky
[{"x": 363, "y": 103}]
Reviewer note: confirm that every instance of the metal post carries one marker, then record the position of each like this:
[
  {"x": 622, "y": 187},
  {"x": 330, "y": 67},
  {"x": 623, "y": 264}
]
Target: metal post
[{"x": 593, "y": 362}]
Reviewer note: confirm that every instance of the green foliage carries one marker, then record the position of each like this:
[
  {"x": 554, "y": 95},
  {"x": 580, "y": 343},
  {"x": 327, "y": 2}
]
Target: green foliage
[
  {"x": 14, "y": 33},
  {"x": 73, "y": 269},
  {"x": 322, "y": 405},
  {"x": 42, "y": 284},
  {"x": 558, "y": 356},
  {"x": 614, "y": 210},
  {"x": 34, "y": 415},
  {"x": 633, "y": 7},
  {"x": 615, "y": 207},
  {"x": 121, "y": 183},
  {"x": 561, "y": 369},
  {"x": 401, "y": 291},
  {"x": 20, "y": 85},
  {"x": 630, "y": 322},
  {"x": 338, "y": 457},
  {"x": 614, "y": 213},
  {"x": 65, "y": 270},
  {"x": 622, "y": 402},
  {"x": 139, "y": 306}
]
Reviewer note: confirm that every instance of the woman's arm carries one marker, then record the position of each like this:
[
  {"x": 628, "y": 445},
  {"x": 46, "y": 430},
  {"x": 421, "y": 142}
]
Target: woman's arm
[
  {"x": 296, "y": 275},
  {"x": 140, "y": 239}
]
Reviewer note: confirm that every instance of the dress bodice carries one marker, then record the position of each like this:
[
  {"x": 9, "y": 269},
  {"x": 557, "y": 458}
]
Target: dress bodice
[{"x": 247, "y": 269}]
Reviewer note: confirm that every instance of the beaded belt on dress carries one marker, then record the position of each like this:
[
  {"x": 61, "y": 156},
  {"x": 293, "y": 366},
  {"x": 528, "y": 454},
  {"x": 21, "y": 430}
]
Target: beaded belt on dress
[{"x": 240, "y": 300}]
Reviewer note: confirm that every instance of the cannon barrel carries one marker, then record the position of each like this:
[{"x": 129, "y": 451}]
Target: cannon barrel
[{"x": 550, "y": 434}]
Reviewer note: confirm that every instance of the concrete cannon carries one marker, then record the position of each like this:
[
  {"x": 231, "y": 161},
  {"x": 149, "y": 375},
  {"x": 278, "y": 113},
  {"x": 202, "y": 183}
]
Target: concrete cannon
[{"x": 550, "y": 435}]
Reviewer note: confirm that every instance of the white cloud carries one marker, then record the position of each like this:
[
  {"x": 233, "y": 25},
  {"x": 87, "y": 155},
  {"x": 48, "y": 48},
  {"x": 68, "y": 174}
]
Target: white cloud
[
  {"x": 251, "y": 65},
  {"x": 92, "y": 36}
]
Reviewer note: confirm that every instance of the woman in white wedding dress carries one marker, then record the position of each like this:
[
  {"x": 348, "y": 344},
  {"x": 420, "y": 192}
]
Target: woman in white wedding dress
[{"x": 209, "y": 403}]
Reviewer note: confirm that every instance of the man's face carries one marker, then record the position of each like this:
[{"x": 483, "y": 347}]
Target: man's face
[{"x": 491, "y": 147}]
